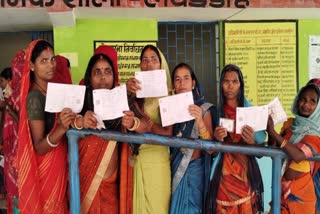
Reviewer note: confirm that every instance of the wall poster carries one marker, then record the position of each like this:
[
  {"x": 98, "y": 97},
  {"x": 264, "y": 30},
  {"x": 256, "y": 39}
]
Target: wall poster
[
  {"x": 314, "y": 56},
  {"x": 266, "y": 52}
]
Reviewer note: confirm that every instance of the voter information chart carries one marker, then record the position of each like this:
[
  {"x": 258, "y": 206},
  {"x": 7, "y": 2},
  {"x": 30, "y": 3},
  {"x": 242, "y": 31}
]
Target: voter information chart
[{"x": 266, "y": 52}]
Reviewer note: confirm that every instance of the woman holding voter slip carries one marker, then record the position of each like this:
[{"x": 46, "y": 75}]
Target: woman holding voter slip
[
  {"x": 42, "y": 152},
  {"x": 300, "y": 140},
  {"x": 105, "y": 176},
  {"x": 190, "y": 167},
  {"x": 151, "y": 189},
  {"x": 235, "y": 182}
]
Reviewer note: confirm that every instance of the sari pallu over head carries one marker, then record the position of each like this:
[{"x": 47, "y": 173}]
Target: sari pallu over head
[
  {"x": 42, "y": 180},
  {"x": 150, "y": 105},
  {"x": 62, "y": 74},
  {"x": 303, "y": 126},
  {"x": 254, "y": 174},
  {"x": 10, "y": 130},
  {"x": 125, "y": 171}
]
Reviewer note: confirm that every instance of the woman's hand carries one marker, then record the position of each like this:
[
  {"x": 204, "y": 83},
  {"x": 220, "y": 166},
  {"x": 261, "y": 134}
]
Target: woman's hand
[
  {"x": 133, "y": 85},
  {"x": 127, "y": 120},
  {"x": 270, "y": 125},
  {"x": 247, "y": 134},
  {"x": 196, "y": 112},
  {"x": 66, "y": 118},
  {"x": 220, "y": 133},
  {"x": 89, "y": 120}
]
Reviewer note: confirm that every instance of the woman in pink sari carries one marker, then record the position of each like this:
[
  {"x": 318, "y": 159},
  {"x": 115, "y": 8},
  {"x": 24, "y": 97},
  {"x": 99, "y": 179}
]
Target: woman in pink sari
[{"x": 42, "y": 152}]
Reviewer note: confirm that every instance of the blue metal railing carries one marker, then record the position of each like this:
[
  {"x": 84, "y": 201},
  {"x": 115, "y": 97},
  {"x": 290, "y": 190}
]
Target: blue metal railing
[{"x": 74, "y": 135}]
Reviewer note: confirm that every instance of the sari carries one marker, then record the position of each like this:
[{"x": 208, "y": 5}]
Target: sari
[
  {"x": 299, "y": 195},
  {"x": 10, "y": 131},
  {"x": 188, "y": 194},
  {"x": 151, "y": 171},
  {"x": 235, "y": 181},
  {"x": 42, "y": 179},
  {"x": 100, "y": 193},
  {"x": 62, "y": 65}
]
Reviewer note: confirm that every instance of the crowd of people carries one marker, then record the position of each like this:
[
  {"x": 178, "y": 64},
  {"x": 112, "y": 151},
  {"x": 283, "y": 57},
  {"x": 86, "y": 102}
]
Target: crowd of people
[{"x": 120, "y": 177}]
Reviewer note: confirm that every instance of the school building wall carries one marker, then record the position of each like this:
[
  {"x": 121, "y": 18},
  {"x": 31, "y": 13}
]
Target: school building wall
[{"x": 79, "y": 39}]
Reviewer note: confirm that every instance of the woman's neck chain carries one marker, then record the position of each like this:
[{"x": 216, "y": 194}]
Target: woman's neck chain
[{"x": 42, "y": 89}]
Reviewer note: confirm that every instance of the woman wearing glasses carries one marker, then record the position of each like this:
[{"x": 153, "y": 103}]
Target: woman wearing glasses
[{"x": 151, "y": 178}]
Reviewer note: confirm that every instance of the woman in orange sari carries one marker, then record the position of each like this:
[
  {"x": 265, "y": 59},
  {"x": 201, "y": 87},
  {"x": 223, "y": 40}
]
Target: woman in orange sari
[
  {"x": 105, "y": 175},
  {"x": 42, "y": 152},
  {"x": 236, "y": 184},
  {"x": 300, "y": 140}
]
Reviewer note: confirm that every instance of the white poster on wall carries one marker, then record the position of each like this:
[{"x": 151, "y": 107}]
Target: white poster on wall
[{"x": 314, "y": 56}]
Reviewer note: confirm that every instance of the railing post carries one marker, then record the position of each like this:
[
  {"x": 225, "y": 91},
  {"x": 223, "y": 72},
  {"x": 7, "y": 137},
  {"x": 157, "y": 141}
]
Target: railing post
[
  {"x": 276, "y": 184},
  {"x": 73, "y": 138}
]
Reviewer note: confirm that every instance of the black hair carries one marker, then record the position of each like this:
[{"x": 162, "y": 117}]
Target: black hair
[
  {"x": 91, "y": 63},
  {"x": 308, "y": 87},
  {"x": 6, "y": 73},
  {"x": 38, "y": 48},
  {"x": 181, "y": 65},
  {"x": 230, "y": 68},
  {"x": 152, "y": 47}
]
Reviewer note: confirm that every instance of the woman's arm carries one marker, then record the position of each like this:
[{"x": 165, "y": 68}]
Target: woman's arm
[
  {"x": 292, "y": 150},
  {"x": 45, "y": 143}
]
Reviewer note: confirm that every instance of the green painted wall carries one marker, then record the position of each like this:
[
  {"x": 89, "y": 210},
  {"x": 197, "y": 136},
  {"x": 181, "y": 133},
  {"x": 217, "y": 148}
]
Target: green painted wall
[
  {"x": 79, "y": 39},
  {"x": 306, "y": 27}
]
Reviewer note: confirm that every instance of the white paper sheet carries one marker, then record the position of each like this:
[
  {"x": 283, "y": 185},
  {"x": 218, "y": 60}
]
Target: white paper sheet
[
  {"x": 174, "y": 109},
  {"x": 60, "y": 96},
  {"x": 153, "y": 83},
  {"x": 276, "y": 111},
  {"x": 314, "y": 56},
  {"x": 110, "y": 104},
  {"x": 254, "y": 116},
  {"x": 226, "y": 123}
]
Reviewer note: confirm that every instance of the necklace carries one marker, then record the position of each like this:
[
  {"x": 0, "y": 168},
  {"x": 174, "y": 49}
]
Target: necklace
[{"x": 43, "y": 91}]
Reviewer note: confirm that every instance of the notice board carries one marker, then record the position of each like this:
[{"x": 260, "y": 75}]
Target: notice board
[{"x": 266, "y": 52}]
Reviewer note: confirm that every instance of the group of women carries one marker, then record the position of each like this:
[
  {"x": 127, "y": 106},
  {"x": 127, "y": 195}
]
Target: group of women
[{"x": 118, "y": 177}]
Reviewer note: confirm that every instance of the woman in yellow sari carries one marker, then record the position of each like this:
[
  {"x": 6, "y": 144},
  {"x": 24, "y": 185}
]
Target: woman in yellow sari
[{"x": 151, "y": 177}]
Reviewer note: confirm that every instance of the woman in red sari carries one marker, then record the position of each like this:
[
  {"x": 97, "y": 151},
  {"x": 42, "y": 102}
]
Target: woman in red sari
[
  {"x": 105, "y": 176},
  {"x": 10, "y": 129},
  {"x": 42, "y": 153}
]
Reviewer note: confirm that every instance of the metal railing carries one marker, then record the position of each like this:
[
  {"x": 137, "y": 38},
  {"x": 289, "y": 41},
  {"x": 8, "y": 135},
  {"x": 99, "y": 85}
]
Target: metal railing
[{"x": 74, "y": 135}]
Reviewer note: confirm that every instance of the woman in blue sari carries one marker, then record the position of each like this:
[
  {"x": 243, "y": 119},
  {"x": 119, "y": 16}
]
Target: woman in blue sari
[{"x": 190, "y": 167}]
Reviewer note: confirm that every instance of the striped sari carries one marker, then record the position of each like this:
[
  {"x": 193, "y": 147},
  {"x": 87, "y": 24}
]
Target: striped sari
[{"x": 42, "y": 179}]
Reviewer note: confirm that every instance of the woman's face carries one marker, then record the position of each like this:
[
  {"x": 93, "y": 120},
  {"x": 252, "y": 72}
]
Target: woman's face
[
  {"x": 150, "y": 61},
  {"x": 307, "y": 102},
  {"x": 3, "y": 82},
  {"x": 231, "y": 85},
  {"x": 182, "y": 80},
  {"x": 45, "y": 65},
  {"x": 101, "y": 75}
]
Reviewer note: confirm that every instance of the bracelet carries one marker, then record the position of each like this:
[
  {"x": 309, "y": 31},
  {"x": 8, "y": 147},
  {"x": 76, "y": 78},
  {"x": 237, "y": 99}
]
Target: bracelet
[
  {"x": 136, "y": 124},
  {"x": 284, "y": 143},
  {"x": 75, "y": 122},
  {"x": 49, "y": 142},
  {"x": 204, "y": 135}
]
